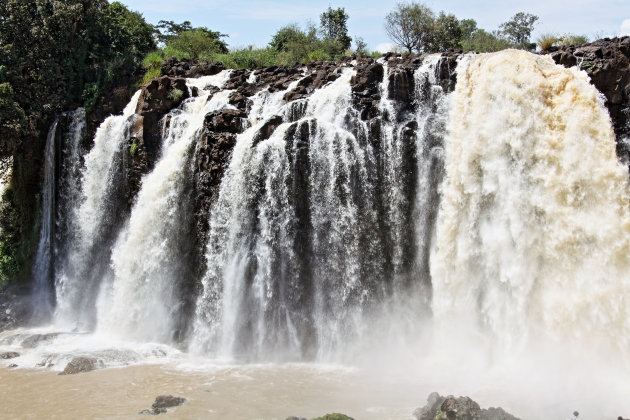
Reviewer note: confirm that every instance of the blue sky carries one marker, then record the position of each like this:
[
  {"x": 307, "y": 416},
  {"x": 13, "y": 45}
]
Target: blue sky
[{"x": 251, "y": 22}]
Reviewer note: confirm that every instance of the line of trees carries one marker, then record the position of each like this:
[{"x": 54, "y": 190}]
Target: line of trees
[
  {"x": 290, "y": 44},
  {"x": 415, "y": 27}
]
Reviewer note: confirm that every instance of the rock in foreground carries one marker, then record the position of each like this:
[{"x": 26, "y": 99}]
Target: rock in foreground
[
  {"x": 80, "y": 365},
  {"x": 162, "y": 402},
  {"x": 9, "y": 355},
  {"x": 462, "y": 408}
]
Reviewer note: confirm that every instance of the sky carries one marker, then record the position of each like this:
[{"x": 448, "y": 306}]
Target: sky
[{"x": 249, "y": 22}]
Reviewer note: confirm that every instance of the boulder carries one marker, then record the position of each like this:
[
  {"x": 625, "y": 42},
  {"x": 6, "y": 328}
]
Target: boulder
[
  {"x": 81, "y": 365},
  {"x": 162, "y": 403},
  {"x": 462, "y": 408},
  {"x": 334, "y": 416},
  {"x": 9, "y": 355}
]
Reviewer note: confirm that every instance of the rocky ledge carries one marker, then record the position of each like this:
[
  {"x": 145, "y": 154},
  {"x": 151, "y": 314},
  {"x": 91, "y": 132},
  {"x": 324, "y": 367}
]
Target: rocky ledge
[{"x": 462, "y": 408}]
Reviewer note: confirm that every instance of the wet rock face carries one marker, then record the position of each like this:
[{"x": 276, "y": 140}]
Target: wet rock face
[
  {"x": 607, "y": 62},
  {"x": 9, "y": 355},
  {"x": 212, "y": 157},
  {"x": 188, "y": 68},
  {"x": 81, "y": 365},
  {"x": 162, "y": 403},
  {"x": 158, "y": 97},
  {"x": 462, "y": 408},
  {"x": 15, "y": 306}
]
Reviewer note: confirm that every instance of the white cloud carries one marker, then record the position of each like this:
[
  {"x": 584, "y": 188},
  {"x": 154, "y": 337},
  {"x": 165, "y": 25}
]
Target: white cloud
[
  {"x": 386, "y": 47},
  {"x": 625, "y": 28}
]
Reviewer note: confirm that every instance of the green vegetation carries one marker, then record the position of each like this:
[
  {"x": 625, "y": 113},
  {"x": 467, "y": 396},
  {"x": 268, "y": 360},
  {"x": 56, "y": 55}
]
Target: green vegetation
[
  {"x": 54, "y": 56},
  {"x": 483, "y": 41},
  {"x": 289, "y": 45},
  {"x": 546, "y": 41},
  {"x": 175, "y": 94},
  {"x": 133, "y": 149},
  {"x": 415, "y": 27},
  {"x": 572, "y": 39}
]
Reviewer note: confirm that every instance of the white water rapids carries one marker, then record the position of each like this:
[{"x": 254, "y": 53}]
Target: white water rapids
[{"x": 475, "y": 242}]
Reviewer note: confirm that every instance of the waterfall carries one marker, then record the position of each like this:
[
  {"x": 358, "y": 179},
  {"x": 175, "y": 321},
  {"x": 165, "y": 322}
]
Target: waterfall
[
  {"x": 310, "y": 232},
  {"x": 142, "y": 300},
  {"x": 70, "y": 152},
  {"x": 533, "y": 236},
  {"x": 249, "y": 254},
  {"x": 42, "y": 268},
  {"x": 94, "y": 220},
  {"x": 427, "y": 221}
]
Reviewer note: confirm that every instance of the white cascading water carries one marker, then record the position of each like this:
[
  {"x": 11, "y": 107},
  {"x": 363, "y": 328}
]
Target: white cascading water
[
  {"x": 42, "y": 274},
  {"x": 296, "y": 255},
  {"x": 75, "y": 285},
  {"x": 141, "y": 300},
  {"x": 534, "y": 224},
  {"x": 231, "y": 245}
]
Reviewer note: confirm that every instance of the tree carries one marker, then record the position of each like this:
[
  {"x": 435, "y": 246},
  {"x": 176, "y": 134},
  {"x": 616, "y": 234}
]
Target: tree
[
  {"x": 483, "y": 41},
  {"x": 333, "y": 25},
  {"x": 361, "y": 46},
  {"x": 195, "y": 42},
  {"x": 54, "y": 55},
  {"x": 467, "y": 28},
  {"x": 167, "y": 30},
  {"x": 286, "y": 36},
  {"x": 411, "y": 25},
  {"x": 446, "y": 34},
  {"x": 519, "y": 28}
]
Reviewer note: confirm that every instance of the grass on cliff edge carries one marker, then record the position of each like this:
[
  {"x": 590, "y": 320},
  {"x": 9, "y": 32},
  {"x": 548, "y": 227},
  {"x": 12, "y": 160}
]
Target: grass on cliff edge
[{"x": 240, "y": 58}]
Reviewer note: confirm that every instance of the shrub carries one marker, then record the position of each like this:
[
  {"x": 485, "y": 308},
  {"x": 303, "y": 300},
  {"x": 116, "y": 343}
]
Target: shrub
[
  {"x": 175, "y": 94},
  {"x": 572, "y": 39},
  {"x": 483, "y": 41},
  {"x": 547, "y": 41},
  {"x": 151, "y": 74},
  {"x": 133, "y": 148}
]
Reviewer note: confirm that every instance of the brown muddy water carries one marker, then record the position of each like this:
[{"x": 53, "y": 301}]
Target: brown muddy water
[{"x": 245, "y": 392}]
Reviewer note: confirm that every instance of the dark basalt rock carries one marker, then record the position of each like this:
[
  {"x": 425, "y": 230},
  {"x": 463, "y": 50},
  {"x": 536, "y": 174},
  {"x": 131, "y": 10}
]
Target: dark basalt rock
[
  {"x": 225, "y": 120},
  {"x": 334, "y": 416},
  {"x": 81, "y": 365},
  {"x": 462, "y": 408},
  {"x": 158, "y": 97},
  {"x": 188, "y": 68},
  {"x": 9, "y": 355},
  {"x": 35, "y": 340},
  {"x": 211, "y": 158},
  {"x": 162, "y": 403},
  {"x": 267, "y": 129}
]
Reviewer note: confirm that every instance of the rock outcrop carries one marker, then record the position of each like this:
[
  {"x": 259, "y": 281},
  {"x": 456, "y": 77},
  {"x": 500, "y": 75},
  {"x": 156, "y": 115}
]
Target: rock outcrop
[
  {"x": 9, "y": 355},
  {"x": 162, "y": 403},
  {"x": 81, "y": 365},
  {"x": 462, "y": 408}
]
